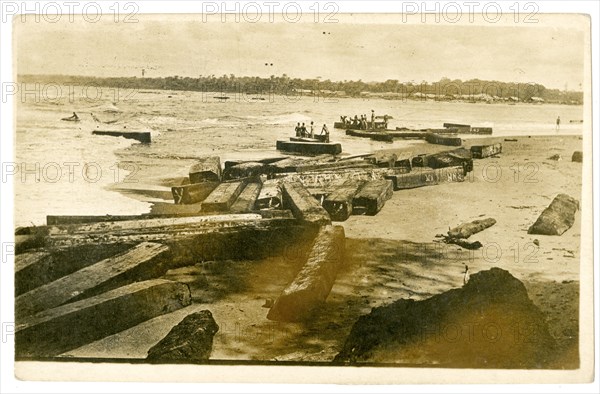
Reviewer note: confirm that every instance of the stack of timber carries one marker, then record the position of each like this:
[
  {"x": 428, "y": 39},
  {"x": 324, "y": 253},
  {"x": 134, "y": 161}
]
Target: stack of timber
[
  {"x": 426, "y": 177},
  {"x": 339, "y": 203},
  {"x": 312, "y": 285},
  {"x": 372, "y": 197},
  {"x": 309, "y": 148},
  {"x": 139, "y": 263},
  {"x": 443, "y": 140},
  {"x": 55, "y": 331},
  {"x": 483, "y": 151}
]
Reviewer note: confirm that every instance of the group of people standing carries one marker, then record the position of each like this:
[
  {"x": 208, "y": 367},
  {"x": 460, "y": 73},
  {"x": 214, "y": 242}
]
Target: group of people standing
[
  {"x": 362, "y": 122},
  {"x": 302, "y": 131}
]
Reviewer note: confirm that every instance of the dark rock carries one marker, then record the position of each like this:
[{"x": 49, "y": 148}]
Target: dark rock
[
  {"x": 557, "y": 218},
  {"x": 488, "y": 323},
  {"x": 191, "y": 340},
  {"x": 577, "y": 156}
]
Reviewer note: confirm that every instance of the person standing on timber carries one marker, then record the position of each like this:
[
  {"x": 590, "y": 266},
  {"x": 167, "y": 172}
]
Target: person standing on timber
[
  {"x": 303, "y": 131},
  {"x": 557, "y": 124},
  {"x": 326, "y": 131},
  {"x": 298, "y": 130},
  {"x": 385, "y": 121},
  {"x": 312, "y": 129},
  {"x": 467, "y": 275},
  {"x": 373, "y": 119}
]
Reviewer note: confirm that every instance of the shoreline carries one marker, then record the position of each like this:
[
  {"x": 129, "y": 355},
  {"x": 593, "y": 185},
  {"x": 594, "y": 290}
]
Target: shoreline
[{"x": 395, "y": 255}]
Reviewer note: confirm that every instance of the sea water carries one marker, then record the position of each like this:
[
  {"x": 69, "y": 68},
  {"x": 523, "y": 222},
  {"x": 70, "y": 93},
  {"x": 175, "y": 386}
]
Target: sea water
[{"x": 61, "y": 168}]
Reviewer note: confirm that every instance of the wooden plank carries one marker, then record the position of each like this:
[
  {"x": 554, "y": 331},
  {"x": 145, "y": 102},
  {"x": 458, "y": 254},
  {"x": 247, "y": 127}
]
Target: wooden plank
[
  {"x": 339, "y": 203},
  {"x": 144, "y": 137},
  {"x": 191, "y": 239},
  {"x": 34, "y": 269},
  {"x": 316, "y": 138},
  {"x": 222, "y": 197},
  {"x": 56, "y": 220},
  {"x": 334, "y": 165},
  {"x": 443, "y": 140},
  {"x": 270, "y": 195},
  {"x": 420, "y": 178},
  {"x": 481, "y": 130},
  {"x": 247, "y": 199},
  {"x": 447, "y": 125},
  {"x": 26, "y": 266},
  {"x": 70, "y": 326},
  {"x": 310, "y": 148},
  {"x": 385, "y": 160},
  {"x": 557, "y": 218},
  {"x": 465, "y": 230},
  {"x": 451, "y": 158},
  {"x": 374, "y": 135},
  {"x": 372, "y": 196},
  {"x": 313, "y": 283},
  {"x": 327, "y": 179},
  {"x": 245, "y": 170},
  {"x": 304, "y": 207},
  {"x": 269, "y": 160},
  {"x": 207, "y": 169},
  {"x": 483, "y": 151},
  {"x": 193, "y": 193},
  {"x": 292, "y": 163},
  {"x": 139, "y": 263}
]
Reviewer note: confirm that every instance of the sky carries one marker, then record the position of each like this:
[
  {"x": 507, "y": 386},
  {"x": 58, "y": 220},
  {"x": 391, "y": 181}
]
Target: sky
[{"x": 548, "y": 53}]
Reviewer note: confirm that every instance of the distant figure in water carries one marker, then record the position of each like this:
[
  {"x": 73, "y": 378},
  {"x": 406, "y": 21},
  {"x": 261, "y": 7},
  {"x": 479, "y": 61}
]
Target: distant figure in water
[
  {"x": 557, "y": 124},
  {"x": 298, "y": 129},
  {"x": 326, "y": 131},
  {"x": 467, "y": 275}
]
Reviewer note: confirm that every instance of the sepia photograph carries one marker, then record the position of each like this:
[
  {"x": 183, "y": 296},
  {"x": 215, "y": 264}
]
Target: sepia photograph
[{"x": 404, "y": 194}]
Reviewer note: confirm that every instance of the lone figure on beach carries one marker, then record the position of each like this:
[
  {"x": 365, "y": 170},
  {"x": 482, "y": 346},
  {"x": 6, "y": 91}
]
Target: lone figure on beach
[
  {"x": 467, "y": 275},
  {"x": 557, "y": 124}
]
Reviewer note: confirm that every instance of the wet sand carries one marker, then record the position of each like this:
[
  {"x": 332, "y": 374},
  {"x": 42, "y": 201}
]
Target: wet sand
[{"x": 394, "y": 255}]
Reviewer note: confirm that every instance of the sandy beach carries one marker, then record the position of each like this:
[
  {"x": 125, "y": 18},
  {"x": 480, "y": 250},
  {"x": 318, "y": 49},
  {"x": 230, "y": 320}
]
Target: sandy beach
[{"x": 394, "y": 255}]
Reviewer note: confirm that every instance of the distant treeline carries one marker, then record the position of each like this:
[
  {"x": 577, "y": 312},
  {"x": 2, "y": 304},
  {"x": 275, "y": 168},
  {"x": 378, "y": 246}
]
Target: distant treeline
[{"x": 445, "y": 89}]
